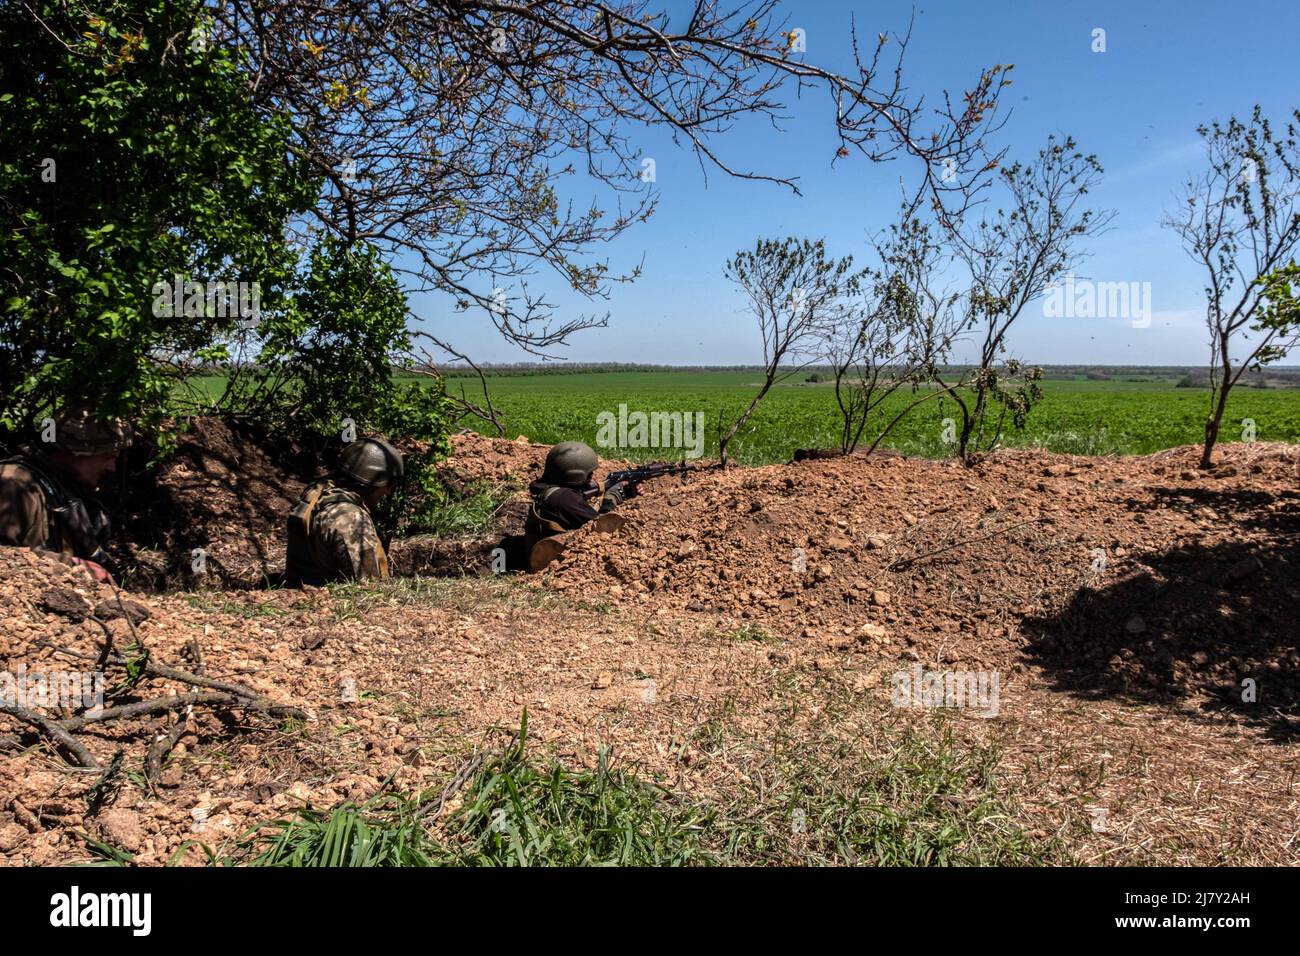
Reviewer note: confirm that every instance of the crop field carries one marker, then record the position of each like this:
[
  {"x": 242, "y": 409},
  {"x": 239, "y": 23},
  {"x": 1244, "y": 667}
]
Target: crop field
[{"x": 1076, "y": 416}]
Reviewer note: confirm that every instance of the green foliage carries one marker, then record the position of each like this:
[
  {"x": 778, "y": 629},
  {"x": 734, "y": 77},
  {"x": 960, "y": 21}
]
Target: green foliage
[
  {"x": 164, "y": 174},
  {"x": 914, "y": 799},
  {"x": 891, "y": 794},
  {"x": 327, "y": 357},
  {"x": 433, "y": 508},
  {"x": 129, "y": 155},
  {"x": 382, "y": 832},
  {"x": 1279, "y": 314},
  {"x": 752, "y": 632}
]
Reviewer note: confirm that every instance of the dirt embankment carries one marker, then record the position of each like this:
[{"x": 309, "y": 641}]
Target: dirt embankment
[{"x": 1139, "y": 612}]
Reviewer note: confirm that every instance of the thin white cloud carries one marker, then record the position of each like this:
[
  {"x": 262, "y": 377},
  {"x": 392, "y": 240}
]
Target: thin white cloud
[{"x": 1182, "y": 154}]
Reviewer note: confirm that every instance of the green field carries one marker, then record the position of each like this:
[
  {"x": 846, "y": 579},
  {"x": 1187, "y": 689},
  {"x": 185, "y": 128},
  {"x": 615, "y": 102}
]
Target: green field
[
  {"x": 1076, "y": 416},
  {"x": 1129, "y": 415}
]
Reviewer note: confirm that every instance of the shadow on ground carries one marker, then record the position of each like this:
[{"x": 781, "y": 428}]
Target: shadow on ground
[{"x": 1206, "y": 625}]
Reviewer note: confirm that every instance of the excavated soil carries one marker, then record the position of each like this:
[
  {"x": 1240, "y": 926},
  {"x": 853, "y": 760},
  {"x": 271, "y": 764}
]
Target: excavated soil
[{"x": 1139, "y": 612}]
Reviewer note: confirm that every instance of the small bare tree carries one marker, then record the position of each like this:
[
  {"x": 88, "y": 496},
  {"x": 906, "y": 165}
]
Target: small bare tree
[
  {"x": 1013, "y": 256},
  {"x": 795, "y": 291},
  {"x": 898, "y": 340},
  {"x": 1240, "y": 221}
]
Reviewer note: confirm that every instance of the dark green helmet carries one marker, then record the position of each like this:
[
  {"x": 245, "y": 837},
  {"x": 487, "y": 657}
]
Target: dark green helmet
[
  {"x": 371, "y": 463},
  {"x": 570, "y": 463},
  {"x": 79, "y": 432}
]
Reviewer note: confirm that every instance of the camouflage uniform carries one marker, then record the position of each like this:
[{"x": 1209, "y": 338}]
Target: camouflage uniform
[
  {"x": 39, "y": 510},
  {"x": 45, "y": 507},
  {"x": 332, "y": 537}
]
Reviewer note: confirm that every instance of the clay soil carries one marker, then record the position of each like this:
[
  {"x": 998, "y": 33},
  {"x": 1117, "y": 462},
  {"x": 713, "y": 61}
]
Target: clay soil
[{"x": 1140, "y": 615}]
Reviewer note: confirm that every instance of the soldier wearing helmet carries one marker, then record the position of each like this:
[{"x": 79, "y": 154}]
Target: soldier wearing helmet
[
  {"x": 46, "y": 498},
  {"x": 332, "y": 534},
  {"x": 561, "y": 502}
]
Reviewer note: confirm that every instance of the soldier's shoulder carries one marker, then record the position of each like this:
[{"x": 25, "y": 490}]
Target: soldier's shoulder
[
  {"x": 18, "y": 473},
  {"x": 339, "y": 506}
]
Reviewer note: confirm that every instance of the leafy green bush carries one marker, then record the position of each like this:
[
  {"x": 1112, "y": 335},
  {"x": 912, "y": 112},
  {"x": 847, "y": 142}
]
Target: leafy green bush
[
  {"x": 128, "y": 158},
  {"x": 135, "y": 174}
]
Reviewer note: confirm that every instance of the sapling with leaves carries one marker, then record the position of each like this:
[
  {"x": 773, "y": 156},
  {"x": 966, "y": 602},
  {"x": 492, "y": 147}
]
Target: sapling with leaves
[
  {"x": 795, "y": 291},
  {"x": 1240, "y": 222},
  {"x": 897, "y": 340},
  {"x": 1013, "y": 256}
]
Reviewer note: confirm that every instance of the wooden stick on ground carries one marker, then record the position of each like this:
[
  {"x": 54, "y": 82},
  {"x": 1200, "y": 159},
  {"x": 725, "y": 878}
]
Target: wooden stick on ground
[{"x": 54, "y": 732}]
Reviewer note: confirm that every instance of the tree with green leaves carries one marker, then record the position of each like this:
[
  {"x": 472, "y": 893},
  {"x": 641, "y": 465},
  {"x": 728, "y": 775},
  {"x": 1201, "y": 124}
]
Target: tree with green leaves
[
  {"x": 1239, "y": 220},
  {"x": 1013, "y": 255},
  {"x": 141, "y": 188},
  {"x": 130, "y": 160},
  {"x": 897, "y": 339},
  {"x": 795, "y": 292}
]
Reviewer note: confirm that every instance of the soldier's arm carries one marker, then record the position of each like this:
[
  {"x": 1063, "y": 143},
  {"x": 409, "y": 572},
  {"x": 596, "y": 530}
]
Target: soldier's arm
[
  {"x": 23, "y": 519},
  {"x": 571, "y": 508}
]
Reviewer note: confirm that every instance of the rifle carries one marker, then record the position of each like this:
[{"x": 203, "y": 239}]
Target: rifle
[{"x": 634, "y": 476}]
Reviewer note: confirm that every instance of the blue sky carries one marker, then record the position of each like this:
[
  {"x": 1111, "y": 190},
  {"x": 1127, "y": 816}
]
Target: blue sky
[{"x": 1168, "y": 66}]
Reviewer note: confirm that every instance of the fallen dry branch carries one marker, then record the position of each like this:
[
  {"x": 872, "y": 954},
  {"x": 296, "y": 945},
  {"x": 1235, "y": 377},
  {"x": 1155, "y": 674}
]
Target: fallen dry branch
[
  {"x": 458, "y": 780},
  {"x": 162, "y": 746},
  {"x": 140, "y": 708},
  {"x": 216, "y": 694},
  {"x": 54, "y": 731}
]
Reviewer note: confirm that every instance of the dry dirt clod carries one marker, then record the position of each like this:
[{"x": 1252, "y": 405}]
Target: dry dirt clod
[
  {"x": 124, "y": 828},
  {"x": 1242, "y": 570},
  {"x": 134, "y": 611},
  {"x": 872, "y": 633},
  {"x": 65, "y": 602}
]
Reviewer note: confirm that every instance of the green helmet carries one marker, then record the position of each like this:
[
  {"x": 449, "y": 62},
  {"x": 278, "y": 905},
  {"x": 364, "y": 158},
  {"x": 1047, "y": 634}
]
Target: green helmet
[
  {"x": 570, "y": 463},
  {"x": 78, "y": 432},
  {"x": 370, "y": 463}
]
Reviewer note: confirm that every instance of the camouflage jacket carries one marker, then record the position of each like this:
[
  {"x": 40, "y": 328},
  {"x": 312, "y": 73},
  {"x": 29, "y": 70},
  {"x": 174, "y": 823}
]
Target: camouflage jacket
[
  {"x": 332, "y": 537},
  {"x": 39, "y": 510}
]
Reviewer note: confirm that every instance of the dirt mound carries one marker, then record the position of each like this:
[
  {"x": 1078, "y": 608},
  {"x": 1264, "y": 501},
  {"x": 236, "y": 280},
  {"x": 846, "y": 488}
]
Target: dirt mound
[
  {"x": 1123, "y": 601},
  {"x": 477, "y": 461},
  {"x": 213, "y": 514},
  {"x": 1141, "y": 576},
  {"x": 479, "y": 458},
  {"x": 104, "y": 679},
  {"x": 214, "y": 511}
]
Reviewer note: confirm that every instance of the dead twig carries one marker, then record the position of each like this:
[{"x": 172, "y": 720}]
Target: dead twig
[
  {"x": 140, "y": 708},
  {"x": 458, "y": 780},
  {"x": 55, "y": 732}
]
